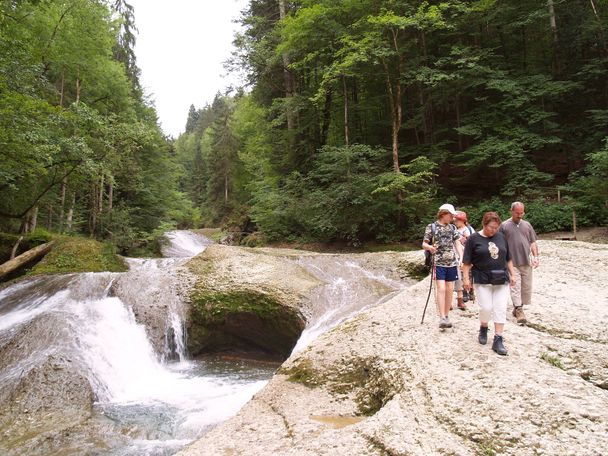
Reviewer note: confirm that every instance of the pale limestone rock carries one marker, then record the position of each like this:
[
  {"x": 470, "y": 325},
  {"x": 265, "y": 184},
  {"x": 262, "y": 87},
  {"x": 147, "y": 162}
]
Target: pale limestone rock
[{"x": 438, "y": 393}]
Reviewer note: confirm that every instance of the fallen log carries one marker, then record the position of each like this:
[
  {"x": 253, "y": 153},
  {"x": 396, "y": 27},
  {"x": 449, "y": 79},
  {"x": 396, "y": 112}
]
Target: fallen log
[{"x": 25, "y": 258}]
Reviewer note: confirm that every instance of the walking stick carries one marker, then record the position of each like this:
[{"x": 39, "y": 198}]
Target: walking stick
[{"x": 430, "y": 287}]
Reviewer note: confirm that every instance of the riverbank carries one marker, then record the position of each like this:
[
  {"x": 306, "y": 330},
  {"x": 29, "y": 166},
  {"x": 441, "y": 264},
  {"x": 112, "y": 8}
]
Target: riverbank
[{"x": 382, "y": 383}]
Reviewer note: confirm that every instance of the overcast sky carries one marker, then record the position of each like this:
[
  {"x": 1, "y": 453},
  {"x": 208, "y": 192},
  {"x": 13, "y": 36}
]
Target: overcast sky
[{"x": 180, "y": 49}]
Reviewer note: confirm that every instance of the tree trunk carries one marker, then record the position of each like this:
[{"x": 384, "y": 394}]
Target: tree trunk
[
  {"x": 33, "y": 219},
  {"x": 64, "y": 185},
  {"x": 49, "y": 222},
  {"x": 100, "y": 197},
  {"x": 110, "y": 197},
  {"x": 427, "y": 105},
  {"x": 396, "y": 128},
  {"x": 93, "y": 210},
  {"x": 28, "y": 223},
  {"x": 357, "y": 122},
  {"x": 287, "y": 77},
  {"x": 345, "y": 111},
  {"x": 226, "y": 188},
  {"x": 458, "y": 122},
  {"x": 395, "y": 97},
  {"x": 25, "y": 258},
  {"x": 600, "y": 29},
  {"x": 425, "y": 127},
  {"x": 62, "y": 89},
  {"x": 78, "y": 87},
  {"x": 70, "y": 216},
  {"x": 15, "y": 247},
  {"x": 553, "y": 24},
  {"x": 326, "y": 116}
]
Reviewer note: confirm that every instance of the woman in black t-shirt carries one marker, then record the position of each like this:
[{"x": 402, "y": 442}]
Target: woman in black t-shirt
[{"x": 486, "y": 253}]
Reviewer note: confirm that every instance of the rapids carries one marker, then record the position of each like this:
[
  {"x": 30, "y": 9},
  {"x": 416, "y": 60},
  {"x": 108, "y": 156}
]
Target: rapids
[{"x": 123, "y": 335}]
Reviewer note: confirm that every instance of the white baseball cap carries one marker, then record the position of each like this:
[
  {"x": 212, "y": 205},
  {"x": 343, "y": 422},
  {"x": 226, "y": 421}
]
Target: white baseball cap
[{"x": 448, "y": 207}]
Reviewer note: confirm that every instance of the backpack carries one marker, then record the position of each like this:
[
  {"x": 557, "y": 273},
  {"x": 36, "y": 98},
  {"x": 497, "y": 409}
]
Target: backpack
[{"x": 428, "y": 258}]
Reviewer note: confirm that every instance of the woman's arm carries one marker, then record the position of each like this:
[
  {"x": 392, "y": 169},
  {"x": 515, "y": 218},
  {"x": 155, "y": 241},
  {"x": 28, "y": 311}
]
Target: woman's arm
[
  {"x": 459, "y": 250},
  {"x": 466, "y": 269}
]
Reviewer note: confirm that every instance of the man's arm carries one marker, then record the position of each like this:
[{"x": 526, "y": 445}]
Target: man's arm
[
  {"x": 511, "y": 270},
  {"x": 535, "y": 256}
]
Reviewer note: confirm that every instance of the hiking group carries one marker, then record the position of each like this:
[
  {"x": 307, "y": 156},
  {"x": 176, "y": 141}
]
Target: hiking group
[{"x": 487, "y": 265}]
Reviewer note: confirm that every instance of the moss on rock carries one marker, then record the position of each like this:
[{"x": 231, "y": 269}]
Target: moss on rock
[
  {"x": 369, "y": 384},
  {"x": 242, "y": 320},
  {"x": 415, "y": 270},
  {"x": 302, "y": 372},
  {"x": 75, "y": 254}
]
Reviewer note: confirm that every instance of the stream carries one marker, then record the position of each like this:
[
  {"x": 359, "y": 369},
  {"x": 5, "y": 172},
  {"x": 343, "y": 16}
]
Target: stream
[{"x": 149, "y": 398}]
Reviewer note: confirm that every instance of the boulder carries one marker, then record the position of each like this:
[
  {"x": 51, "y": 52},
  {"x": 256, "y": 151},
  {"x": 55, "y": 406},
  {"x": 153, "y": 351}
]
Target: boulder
[{"x": 247, "y": 300}]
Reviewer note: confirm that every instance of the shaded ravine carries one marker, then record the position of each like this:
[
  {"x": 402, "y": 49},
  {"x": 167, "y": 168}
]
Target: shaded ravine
[{"x": 119, "y": 339}]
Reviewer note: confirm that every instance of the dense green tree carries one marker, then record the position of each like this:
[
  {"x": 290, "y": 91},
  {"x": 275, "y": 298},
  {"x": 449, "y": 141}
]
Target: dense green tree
[{"x": 81, "y": 151}]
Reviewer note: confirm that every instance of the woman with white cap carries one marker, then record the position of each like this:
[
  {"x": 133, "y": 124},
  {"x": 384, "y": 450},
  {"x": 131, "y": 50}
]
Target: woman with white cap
[{"x": 440, "y": 240}]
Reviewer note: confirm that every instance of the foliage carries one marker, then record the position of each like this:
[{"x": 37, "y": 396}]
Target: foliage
[
  {"x": 362, "y": 117},
  {"x": 588, "y": 189},
  {"x": 544, "y": 214},
  {"x": 73, "y": 254},
  {"x": 506, "y": 105},
  {"x": 81, "y": 151}
]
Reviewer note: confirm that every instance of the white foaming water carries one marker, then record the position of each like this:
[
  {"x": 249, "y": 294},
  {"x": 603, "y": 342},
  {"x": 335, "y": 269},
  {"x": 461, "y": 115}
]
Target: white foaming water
[
  {"x": 183, "y": 243},
  {"x": 348, "y": 290},
  {"x": 125, "y": 370},
  {"x": 130, "y": 384},
  {"x": 160, "y": 406}
]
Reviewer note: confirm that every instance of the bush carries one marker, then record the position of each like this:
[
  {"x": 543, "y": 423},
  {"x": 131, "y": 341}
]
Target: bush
[{"x": 544, "y": 215}]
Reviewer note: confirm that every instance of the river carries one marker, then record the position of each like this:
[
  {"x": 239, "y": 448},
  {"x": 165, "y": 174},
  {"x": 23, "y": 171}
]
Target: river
[{"x": 149, "y": 398}]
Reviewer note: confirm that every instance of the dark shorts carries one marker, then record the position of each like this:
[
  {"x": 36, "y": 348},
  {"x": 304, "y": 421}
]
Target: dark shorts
[{"x": 448, "y": 274}]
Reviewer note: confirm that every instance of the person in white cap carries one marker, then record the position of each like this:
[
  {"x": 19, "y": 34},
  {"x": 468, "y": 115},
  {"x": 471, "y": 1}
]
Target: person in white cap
[{"x": 440, "y": 241}]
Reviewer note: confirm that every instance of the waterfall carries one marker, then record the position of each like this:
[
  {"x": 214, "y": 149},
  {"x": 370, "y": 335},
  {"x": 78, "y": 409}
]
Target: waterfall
[
  {"x": 124, "y": 332},
  {"x": 89, "y": 320},
  {"x": 348, "y": 289},
  {"x": 183, "y": 243}
]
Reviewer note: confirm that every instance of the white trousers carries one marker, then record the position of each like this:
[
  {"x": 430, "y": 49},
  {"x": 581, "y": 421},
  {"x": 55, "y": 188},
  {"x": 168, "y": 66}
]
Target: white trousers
[{"x": 492, "y": 301}]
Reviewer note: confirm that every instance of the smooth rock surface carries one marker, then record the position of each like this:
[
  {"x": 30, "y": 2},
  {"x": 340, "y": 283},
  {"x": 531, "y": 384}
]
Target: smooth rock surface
[{"x": 422, "y": 391}]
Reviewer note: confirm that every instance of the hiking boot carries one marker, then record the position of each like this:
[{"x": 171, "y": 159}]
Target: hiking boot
[
  {"x": 483, "y": 335},
  {"x": 444, "y": 322},
  {"x": 518, "y": 313},
  {"x": 498, "y": 346},
  {"x": 465, "y": 296},
  {"x": 461, "y": 305}
]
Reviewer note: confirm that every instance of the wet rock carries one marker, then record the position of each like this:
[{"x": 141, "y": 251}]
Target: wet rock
[
  {"x": 433, "y": 392},
  {"x": 247, "y": 300},
  {"x": 51, "y": 398}
]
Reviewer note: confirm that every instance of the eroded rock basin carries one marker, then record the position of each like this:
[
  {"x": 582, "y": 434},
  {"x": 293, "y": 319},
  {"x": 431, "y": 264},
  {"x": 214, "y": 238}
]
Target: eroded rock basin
[
  {"x": 117, "y": 398},
  {"x": 419, "y": 391}
]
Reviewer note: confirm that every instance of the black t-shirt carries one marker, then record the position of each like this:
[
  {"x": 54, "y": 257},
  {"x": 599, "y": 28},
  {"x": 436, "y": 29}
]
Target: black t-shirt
[{"x": 486, "y": 254}]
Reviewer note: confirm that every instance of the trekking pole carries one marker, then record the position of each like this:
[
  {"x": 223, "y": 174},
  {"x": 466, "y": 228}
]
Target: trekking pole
[{"x": 430, "y": 287}]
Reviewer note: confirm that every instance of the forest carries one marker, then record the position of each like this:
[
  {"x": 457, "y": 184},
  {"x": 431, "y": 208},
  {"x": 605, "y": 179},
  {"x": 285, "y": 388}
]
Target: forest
[{"x": 357, "y": 119}]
